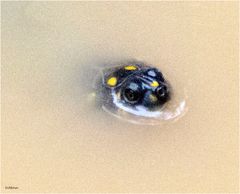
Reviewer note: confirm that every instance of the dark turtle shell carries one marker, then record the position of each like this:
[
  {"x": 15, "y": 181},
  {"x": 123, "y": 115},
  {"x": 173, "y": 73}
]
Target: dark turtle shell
[{"x": 134, "y": 85}]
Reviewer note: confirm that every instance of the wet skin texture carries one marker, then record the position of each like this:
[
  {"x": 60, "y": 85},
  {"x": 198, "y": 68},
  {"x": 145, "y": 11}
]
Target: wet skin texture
[{"x": 137, "y": 84}]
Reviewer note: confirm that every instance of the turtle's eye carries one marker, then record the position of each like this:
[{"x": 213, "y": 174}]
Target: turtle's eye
[
  {"x": 162, "y": 93},
  {"x": 132, "y": 93},
  {"x": 131, "y": 96}
]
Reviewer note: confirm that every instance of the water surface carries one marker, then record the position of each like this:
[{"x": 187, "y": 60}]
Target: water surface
[{"x": 54, "y": 139}]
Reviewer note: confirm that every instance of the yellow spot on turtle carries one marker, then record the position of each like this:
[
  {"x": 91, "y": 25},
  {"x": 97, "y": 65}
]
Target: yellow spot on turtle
[
  {"x": 112, "y": 81},
  {"x": 130, "y": 67},
  {"x": 154, "y": 84},
  {"x": 153, "y": 98}
]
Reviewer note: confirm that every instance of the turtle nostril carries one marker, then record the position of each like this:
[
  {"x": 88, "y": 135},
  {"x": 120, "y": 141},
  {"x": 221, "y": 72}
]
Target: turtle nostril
[{"x": 162, "y": 91}]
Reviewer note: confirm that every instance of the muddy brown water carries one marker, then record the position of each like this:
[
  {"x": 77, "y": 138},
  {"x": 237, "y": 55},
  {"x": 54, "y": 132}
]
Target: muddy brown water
[{"x": 54, "y": 139}]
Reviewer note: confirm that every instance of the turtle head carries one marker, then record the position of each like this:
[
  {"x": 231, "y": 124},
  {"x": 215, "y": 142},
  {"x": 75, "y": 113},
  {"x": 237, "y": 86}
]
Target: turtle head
[{"x": 147, "y": 88}]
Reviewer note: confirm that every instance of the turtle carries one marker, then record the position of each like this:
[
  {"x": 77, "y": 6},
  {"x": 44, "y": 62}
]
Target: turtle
[{"x": 135, "y": 88}]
